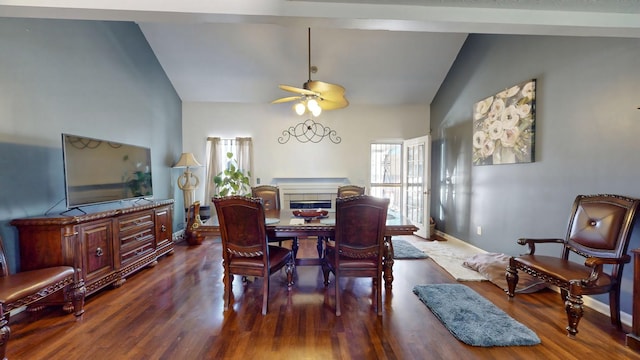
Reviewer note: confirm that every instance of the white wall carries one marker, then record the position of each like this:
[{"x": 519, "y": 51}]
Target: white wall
[{"x": 357, "y": 126}]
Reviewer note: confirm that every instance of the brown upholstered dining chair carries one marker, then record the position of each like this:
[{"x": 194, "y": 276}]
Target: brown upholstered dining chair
[
  {"x": 270, "y": 196},
  {"x": 599, "y": 230},
  {"x": 29, "y": 287},
  {"x": 350, "y": 190},
  {"x": 245, "y": 250},
  {"x": 358, "y": 247}
]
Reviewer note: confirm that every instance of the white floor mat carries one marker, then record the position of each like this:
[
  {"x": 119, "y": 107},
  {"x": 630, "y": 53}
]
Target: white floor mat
[{"x": 450, "y": 255}]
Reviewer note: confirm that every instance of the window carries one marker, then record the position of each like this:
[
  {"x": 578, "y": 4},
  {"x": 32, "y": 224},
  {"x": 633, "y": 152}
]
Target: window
[
  {"x": 217, "y": 149},
  {"x": 386, "y": 173}
]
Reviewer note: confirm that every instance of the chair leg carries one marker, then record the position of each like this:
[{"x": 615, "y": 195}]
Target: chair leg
[
  {"x": 377, "y": 282},
  {"x": 265, "y": 294},
  {"x": 5, "y": 333},
  {"x": 78, "y": 293},
  {"x": 573, "y": 306},
  {"x": 512, "y": 280},
  {"x": 563, "y": 295},
  {"x": 319, "y": 246},
  {"x": 325, "y": 272},
  {"x": 614, "y": 307},
  {"x": 338, "y": 312},
  {"x": 289, "y": 268},
  {"x": 228, "y": 281}
]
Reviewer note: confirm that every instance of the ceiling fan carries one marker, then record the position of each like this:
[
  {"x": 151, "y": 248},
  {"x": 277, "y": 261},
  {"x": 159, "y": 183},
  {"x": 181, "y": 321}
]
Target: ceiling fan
[{"x": 314, "y": 96}]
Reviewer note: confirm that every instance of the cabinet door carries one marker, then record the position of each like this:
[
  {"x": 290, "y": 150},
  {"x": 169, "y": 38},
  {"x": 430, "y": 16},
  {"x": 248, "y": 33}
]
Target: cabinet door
[
  {"x": 164, "y": 230},
  {"x": 96, "y": 238}
]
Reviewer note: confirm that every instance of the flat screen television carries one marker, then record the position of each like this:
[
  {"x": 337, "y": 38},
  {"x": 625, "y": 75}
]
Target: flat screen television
[{"x": 99, "y": 171}]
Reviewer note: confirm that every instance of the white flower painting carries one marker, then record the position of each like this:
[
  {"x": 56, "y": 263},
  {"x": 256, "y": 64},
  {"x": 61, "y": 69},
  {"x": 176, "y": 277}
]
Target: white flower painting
[{"x": 504, "y": 126}]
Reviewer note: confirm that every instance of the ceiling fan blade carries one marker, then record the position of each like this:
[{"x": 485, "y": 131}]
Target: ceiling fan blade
[
  {"x": 333, "y": 105},
  {"x": 324, "y": 87},
  {"x": 285, "y": 99},
  {"x": 297, "y": 90},
  {"x": 331, "y": 92}
]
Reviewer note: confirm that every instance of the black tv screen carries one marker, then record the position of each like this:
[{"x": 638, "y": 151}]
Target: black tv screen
[{"x": 99, "y": 171}]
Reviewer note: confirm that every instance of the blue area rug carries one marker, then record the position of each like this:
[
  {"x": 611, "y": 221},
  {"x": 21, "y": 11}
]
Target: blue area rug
[
  {"x": 473, "y": 319},
  {"x": 402, "y": 249}
]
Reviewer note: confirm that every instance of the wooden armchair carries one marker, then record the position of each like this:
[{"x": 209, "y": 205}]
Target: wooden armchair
[
  {"x": 358, "y": 248},
  {"x": 350, "y": 190},
  {"x": 599, "y": 230},
  {"x": 245, "y": 250},
  {"x": 29, "y": 287}
]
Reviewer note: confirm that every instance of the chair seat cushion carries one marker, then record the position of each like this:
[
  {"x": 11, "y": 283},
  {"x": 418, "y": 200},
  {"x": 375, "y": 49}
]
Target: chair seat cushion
[
  {"x": 277, "y": 255},
  {"x": 22, "y": 284},
  {"x": 563, "y": 270},
  {"x": 349, "y": 262}
]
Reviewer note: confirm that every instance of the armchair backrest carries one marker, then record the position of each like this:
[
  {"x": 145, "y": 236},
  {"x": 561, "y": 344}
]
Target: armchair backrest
[
  {"x": 600, "y": 226},
  {"x": 242, "y": 226},
  {"x": 360, "y": 226},
  {"x": 350, "y": 190},
  {"x": 269, "y": 194},
  {"x": 4, "y": 267}
]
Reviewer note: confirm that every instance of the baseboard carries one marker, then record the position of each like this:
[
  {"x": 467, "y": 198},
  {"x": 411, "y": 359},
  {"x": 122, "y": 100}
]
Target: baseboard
[{"x": 590, "y": 302}]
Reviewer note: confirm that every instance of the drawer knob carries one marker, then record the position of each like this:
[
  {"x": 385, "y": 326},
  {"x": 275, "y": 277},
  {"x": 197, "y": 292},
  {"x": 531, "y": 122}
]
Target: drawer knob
[
  {"x": 99, "y": 252},
  {"x": 163, "y": 228}
]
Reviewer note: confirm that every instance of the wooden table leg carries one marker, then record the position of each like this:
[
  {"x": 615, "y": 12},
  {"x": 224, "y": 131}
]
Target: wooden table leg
[
  {"x": 388, "y": 263},
  {"x": 633, "y": 338}
]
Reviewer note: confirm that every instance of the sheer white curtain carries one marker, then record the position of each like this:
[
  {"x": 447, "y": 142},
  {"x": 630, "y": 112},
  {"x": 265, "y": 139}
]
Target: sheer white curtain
[
  {"x": 214, "y": 166},
  {"x": 242, "y": 149},
  {"x": 244, "y": 154}
]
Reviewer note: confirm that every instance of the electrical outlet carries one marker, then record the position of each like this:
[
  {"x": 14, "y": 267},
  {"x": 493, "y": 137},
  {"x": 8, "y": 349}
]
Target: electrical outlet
[{"x": 479, "y": 230}]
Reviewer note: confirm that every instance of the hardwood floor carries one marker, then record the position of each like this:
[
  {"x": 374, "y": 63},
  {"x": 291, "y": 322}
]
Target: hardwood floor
[{"x": 174, "y": 311}]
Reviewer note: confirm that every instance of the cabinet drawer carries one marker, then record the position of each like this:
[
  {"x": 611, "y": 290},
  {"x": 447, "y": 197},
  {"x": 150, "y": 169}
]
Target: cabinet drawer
[
  {"x": 133, "y": 240},
  {"x": 133, "y": 253},
  {"x": 135, "y": 222}
]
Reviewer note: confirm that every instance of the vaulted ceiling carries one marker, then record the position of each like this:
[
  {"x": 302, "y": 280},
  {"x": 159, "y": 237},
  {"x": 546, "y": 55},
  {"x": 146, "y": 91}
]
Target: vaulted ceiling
[{"x": 382, "y": 51}]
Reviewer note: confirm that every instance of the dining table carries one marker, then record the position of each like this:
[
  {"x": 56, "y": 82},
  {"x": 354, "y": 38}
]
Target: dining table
[{"x": 282, "y": 223}]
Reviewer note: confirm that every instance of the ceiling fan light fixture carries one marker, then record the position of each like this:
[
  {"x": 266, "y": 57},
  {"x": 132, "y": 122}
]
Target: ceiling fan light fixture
[
  {"x": 312, "y": 104},
  {"x": 316, "y": 111},
  {"x": 300, "y": 108}
]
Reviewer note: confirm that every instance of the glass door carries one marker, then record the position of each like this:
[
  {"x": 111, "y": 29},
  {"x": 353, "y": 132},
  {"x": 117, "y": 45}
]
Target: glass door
[{"x": 416, "y": 183}]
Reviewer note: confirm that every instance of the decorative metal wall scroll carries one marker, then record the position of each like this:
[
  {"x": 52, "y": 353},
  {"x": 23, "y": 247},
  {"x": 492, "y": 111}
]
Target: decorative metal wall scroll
[{"x": 309, "y": 131}]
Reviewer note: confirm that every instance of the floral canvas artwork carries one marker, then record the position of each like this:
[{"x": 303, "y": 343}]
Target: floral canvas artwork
[{"x": 504, "y": 126}]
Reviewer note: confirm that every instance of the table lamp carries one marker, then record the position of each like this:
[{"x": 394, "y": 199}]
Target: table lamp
[{"x": 188, "y": 181}]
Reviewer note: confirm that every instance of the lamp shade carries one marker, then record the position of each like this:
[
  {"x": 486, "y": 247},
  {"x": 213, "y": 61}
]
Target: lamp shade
[{"x": 187, "y": 160}]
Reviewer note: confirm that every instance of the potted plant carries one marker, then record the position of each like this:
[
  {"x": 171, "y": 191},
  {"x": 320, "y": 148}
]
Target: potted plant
[{"x": 232, "y": 180}]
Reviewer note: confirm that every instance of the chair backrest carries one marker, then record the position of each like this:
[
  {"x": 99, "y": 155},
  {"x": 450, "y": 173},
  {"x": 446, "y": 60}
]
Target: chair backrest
[
  {"x": 242, "y": 226},
  {"x": 360, "y": 226},
  {"x": 350, "y": 190},
  {"x": 4, "y": 267},
  {"x": 269, "y": 194},
  {"x": 600, "y": 225}
]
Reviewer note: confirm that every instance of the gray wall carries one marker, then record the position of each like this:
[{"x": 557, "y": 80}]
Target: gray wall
[
  {"x": 90, "y": 78},
  {"x": 587, "y": 129}
]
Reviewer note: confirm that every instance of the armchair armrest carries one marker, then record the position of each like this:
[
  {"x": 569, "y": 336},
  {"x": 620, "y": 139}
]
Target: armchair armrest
[
  {"x": 596, "y": 265},
  {"x": 532, "y": 243}
]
